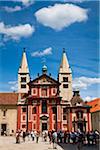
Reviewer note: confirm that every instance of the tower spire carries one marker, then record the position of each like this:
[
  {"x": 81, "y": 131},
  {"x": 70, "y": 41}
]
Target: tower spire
[
  {"x": 24, "y": 65},
  {"x": 64, "y": 66},
  {"x": 23, "y": 74}
]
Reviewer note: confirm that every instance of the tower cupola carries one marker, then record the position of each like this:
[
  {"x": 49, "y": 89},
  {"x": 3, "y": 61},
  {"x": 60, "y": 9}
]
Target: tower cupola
[{"x": 44, "y": 69}]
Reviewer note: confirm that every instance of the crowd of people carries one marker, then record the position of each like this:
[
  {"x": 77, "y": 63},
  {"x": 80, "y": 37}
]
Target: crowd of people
[
  {"x": 60, "y": 137},
  {"x": 22, "y": 134},
  {"x": 74, "y": 137},
  {"x": 78, "y": 137}
]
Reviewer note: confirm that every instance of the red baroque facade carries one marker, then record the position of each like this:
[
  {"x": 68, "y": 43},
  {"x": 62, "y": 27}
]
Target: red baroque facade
[
  {"x": 46, "y": 104},
  {"x": 43, "y": 105}
]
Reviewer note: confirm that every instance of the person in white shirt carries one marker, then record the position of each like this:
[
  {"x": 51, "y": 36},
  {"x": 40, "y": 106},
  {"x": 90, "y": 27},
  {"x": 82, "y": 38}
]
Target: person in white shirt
[{"x": 54, "y": 139}]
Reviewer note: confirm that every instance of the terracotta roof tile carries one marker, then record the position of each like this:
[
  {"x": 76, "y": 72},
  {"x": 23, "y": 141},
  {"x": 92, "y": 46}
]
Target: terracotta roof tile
[
  {"x": 8, "y": 98},
  {"x": 95, "y": 105}
]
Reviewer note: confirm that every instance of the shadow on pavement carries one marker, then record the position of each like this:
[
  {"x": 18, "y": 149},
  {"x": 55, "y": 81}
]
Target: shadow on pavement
[{"x": 74, "y": 147}]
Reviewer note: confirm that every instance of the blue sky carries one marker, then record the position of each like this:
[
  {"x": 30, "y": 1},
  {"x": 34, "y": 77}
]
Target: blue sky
[{"x": 44, "y": 28}]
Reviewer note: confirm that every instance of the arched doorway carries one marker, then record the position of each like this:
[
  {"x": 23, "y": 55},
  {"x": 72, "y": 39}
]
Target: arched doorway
[
  {"x": 44, "y": 123},
  {"x": 80, "y": 126},
  {"x": 44, "y": 126}
]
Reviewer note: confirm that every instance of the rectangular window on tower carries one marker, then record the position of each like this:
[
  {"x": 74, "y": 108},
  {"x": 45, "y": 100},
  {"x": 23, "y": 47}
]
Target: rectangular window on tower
[
  {"x": 23, "y": 86},
  {"x": 65, "y": 79},
  {"x": 65, "y": 85},
  {"x": 23, "y": 79}
]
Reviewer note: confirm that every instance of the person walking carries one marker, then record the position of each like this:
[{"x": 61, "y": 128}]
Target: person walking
[
  {"x": 24, "y": 135},
  {"x": 54, "y": 139},
  {"x": 50, "y": 136},
  {"x": 37, "y": 137},
  {"x": 17, "y": 137},
  {"x": 45, "y": 136},
  {"x": 65, "y": 136},
  {"x": 80, "y": 141},
  {"x": 32, "y": 135}
]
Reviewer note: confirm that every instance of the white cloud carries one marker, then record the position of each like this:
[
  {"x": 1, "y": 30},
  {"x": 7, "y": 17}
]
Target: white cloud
[
  {"x": 60, "y": 16},
  {"x": 12, "y": 9},
  {"x": 84, "y": 82},
  {"x": 89, "y": 98},
  {"x": 13, "y": 85},
  {"x": 16, "y": 32},
  {"x": 47, "y": 51},
  {"x": 25, "y": 4}
]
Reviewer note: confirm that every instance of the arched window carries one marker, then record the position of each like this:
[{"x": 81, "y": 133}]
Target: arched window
[
  {"x": 44, "y": 106},
  {"x": 4, "y": 113},
  {"x": 34, "y": 110}
]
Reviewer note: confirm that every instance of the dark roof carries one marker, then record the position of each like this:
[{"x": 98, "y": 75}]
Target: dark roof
[
  {"x": 75, "y": 100},
  {"x": 8, "y": 98}
]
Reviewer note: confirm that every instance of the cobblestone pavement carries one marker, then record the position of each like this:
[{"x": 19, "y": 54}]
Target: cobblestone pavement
[
  {"x": 74, "y": 147},
  {"x": 9, "y": 143}
]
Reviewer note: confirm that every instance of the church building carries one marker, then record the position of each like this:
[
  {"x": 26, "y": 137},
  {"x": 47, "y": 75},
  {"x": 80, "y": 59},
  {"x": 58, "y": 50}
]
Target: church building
[{"x": 45, "y": 103}]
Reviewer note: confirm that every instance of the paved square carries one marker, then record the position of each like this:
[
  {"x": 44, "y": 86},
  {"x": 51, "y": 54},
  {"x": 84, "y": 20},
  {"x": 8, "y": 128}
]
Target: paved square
[{"x": 9, "y": 143}]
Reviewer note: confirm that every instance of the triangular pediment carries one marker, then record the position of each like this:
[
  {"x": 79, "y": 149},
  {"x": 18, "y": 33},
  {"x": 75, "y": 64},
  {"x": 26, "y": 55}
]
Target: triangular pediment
[{"x": 44, "y": 79}]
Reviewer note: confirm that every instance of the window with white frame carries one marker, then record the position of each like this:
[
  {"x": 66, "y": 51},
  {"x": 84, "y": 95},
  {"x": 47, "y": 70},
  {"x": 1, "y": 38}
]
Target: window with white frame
[
  {"x": 24, "y": 117},
  {"x": 53, "y": 91},
  {"x": 34, "y": 91},
  {"x": 44, "y": 92}
]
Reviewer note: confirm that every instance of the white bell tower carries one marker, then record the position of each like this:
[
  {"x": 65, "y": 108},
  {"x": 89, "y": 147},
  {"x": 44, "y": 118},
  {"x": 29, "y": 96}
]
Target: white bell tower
[
  {"x": 23, "y": 75},
  {"x": 65, "y": 78}
]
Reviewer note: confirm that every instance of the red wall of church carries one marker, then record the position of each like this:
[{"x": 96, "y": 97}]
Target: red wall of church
[{"x": 18, "y": 117}]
